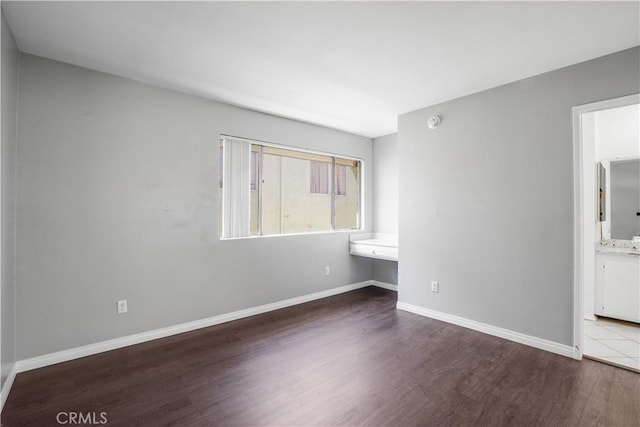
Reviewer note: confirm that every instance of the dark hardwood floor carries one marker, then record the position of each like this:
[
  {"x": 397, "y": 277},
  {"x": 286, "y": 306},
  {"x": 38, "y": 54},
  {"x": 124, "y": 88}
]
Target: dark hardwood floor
[{"x": 351, "y": 359}]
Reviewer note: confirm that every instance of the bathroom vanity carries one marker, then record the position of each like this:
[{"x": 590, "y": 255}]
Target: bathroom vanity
[
  {"x": 617, "y": 279},
  {"x": 617, "y": 254}
]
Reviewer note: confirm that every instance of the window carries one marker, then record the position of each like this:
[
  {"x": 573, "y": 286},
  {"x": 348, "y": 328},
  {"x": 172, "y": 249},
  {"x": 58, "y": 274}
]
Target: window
[{"x": 269, "y": 189}]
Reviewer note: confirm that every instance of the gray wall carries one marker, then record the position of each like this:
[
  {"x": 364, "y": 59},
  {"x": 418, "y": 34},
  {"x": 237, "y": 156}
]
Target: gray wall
[
  {"x": 385, "y": 184},
  {"x": 625, "y": 199},
  {"x": 486, "y": 199},
  {"x": 385, "y": 203},
  {"x": 385, "y": 271},
  {"x": 118, "y": 199},
  {"x": 9, "y": 139}
]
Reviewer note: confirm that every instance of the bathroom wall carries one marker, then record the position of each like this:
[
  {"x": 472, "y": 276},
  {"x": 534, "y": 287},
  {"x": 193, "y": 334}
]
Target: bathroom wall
[{"x": 616, "y": 133}]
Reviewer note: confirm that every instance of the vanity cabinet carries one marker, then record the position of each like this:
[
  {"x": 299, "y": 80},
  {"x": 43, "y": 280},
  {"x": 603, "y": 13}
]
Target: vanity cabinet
[{"x": 618, "y": 286}]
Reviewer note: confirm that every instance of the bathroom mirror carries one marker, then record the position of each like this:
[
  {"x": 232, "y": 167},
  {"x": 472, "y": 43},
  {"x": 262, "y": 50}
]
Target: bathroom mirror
[{"x": 619, "y": 191}]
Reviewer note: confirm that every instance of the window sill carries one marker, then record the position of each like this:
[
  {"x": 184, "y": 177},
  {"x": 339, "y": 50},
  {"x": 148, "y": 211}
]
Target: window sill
[{"x": 311, "y": 233}]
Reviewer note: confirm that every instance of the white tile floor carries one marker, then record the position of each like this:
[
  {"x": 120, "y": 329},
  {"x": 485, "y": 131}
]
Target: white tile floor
[{"x": 613, "y": 341}]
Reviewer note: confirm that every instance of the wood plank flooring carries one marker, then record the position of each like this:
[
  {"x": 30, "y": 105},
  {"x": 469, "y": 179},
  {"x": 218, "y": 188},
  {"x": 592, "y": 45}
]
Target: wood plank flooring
[{"x": 351, "y": 359}]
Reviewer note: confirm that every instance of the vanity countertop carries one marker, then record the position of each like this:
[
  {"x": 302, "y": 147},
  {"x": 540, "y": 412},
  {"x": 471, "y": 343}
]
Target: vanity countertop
[{"x": 614, "y": 246}]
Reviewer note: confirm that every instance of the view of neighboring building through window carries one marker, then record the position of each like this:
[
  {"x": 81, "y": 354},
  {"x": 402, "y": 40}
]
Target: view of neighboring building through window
[
  {"x": 341, "y": 180},
  {"x": 269, "y": 190},
  {"x": 319, "y": 177}
]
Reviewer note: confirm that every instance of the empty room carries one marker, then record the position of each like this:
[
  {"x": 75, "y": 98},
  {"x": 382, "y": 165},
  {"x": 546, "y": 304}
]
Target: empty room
[{"x": 320, "y": 213}]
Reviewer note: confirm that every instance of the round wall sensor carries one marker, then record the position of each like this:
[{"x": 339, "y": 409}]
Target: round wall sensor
[{"x": 433, "y": 122}]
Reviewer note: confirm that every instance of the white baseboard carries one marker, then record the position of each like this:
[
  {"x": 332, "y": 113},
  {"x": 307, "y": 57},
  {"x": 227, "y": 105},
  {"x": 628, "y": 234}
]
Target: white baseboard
[
  {"x": 384, "y": 285},
  {"x": 6, "y": 388},
  {"x": 88, "y": 350},
  {"x": 553, "y": 347}
]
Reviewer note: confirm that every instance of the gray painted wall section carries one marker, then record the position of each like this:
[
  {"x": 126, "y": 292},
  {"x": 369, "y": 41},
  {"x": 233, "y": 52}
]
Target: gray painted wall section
[
  {"x": 385, "y": 184},
  {"x": 486, "y": 199},
  {"x": 385, "y": 271},
  {"x": 118, "y": 199},
  {"x": 385, "y": 203},
  {"x": 9, "y": 72}
]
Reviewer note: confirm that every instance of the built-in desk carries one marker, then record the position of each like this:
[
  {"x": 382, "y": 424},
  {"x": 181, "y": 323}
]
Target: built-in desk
[{"x": 374, "y": 245}]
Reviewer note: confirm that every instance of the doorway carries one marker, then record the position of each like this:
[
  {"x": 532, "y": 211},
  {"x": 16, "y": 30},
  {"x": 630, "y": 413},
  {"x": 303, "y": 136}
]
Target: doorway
[{"x": 606, "y": 253}]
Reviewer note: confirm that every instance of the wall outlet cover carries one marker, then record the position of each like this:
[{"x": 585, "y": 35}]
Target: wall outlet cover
[{"x": 122, "y": 306}]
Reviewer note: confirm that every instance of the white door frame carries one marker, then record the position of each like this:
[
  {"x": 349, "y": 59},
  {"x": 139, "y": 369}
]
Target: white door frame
[{"x": 579, "y": 199}]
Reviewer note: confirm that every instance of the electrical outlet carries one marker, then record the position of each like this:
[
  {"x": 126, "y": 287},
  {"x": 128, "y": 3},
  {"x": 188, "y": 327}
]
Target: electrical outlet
[
  {"x": 435, "y": 287},
  {"x": 327, "y": 270},
  {"x": 122, "y": 306}
]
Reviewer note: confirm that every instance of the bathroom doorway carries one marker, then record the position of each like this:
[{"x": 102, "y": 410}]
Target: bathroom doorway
[{"x": 607, "y": 231}]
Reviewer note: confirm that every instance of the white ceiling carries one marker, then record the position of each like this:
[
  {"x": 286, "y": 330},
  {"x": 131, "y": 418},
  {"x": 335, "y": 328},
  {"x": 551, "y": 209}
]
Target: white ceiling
[{"x": 351, "y": 66}]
